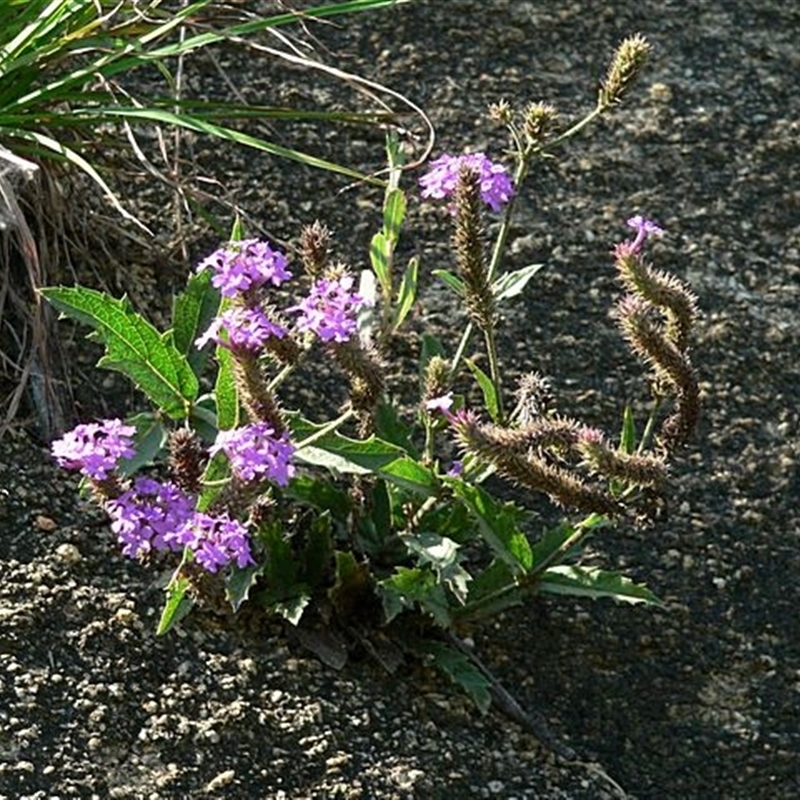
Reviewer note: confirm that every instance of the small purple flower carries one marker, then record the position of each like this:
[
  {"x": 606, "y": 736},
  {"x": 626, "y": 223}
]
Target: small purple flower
[
  {"x": 244, "y": 265},
  {"x": 441, "y": 404},
  {"x": 330, "y": 309},
  {"x": 248, "y": 330},
  {"x": 644, "y": 227},
  {"x": 95, "y": 448},
  {"x": 456, "y": 469},
  {"x": 145, "y": 516},
  {"x": 442, "y": 178},
  {"x": 255, "y": 452},
  {"x": 215, "y": 541}
]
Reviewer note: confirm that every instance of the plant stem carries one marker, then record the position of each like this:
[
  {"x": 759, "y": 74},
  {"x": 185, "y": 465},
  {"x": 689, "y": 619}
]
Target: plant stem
[{"x": 330, "y": 427}]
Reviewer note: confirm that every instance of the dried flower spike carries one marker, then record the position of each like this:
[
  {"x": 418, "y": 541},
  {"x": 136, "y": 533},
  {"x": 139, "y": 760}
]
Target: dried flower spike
[{"x": 628, "y": 61}]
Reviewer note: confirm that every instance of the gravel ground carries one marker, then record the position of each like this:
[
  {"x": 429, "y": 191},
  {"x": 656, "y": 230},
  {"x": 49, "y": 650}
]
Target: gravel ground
[{"x": 699, "y": 700}]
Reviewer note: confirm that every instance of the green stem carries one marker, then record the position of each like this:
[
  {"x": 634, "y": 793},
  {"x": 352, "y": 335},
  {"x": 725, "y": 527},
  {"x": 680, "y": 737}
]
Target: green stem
[
  {"x": 528, "y": 581},
  {"x": 494, "y": 370},
  {"x": 326, "y": 429}
]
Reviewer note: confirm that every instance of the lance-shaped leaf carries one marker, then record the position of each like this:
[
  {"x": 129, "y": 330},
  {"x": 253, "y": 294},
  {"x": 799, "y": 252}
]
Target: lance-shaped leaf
[
  {"x": 407, "y": 293},
  {"x": 593, "y": 582},
  {"x": 133, "y": 347},
  {"x": 461, "y": 671},
  {"x": 488, "y": 388},
  {"x": 510, "y": 284},
  {"x": 178, "y": 604}
]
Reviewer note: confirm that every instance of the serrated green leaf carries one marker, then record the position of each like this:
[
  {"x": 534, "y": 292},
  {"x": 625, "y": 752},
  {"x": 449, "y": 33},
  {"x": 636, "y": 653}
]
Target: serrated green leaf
[
  {"x": 444, "y": 556},
  {"x": 226, "y": 393},
  {"x": 462, "y": 672},
  {"x": 340, "y": 453},
  {"x": 408, "y": 474},
  {"x": 292, "y": 608},
  {"x": 510, "y": 284},
  {"x": 407, "y": 293},
  {"x": 488, "y": 388},
  {"x": 391, "y": 427},
  {"x": 593, "y": 582},
  {"x": 498, "y": 525},
  {"x": 238, "y": 584},
  {"x": 406, "y": 586},
  {"x": 492, "y": 591},
  {"x": 193, "y": 310},
  {"x": 133, "y": 347}
]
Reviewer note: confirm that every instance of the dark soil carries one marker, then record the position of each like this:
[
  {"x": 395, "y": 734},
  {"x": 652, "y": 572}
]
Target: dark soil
[{"x": 698, "y": 700}]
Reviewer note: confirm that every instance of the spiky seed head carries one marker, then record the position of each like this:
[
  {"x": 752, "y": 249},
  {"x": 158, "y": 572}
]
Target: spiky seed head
[
  {"x": 626, "y": 65},
  {"x": 539, "y": 121}
]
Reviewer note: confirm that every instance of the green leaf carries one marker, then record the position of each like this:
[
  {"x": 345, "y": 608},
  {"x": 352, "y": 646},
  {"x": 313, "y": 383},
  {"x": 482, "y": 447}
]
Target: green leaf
[
  {"x": 409, "y": 474},
  {"x": 492, "y": 591},
  {"x": 380, "y": 254},
  {"x": 177, "y": 606},
  {"x": 627, "y": 441},
  {"x": 133, "y": 347},
  {"x": 292, "y": 608},
  {"x": 192, "y": 312},
  {"x": 407, "y": 293},
  {"x": 238, "y": 584},
  {"x": 593, "y": 582},
  {"x": 394, "y": 212},
  {"x": 226, "y": 392},
  {"x": 319, "y": 550},
  {"x": 407, "y": 587},
  {"x": 149, "y": 441},
  {"x": 488, "y": 388},
  {"x": 498, "y": 525},
  {"x": 510, "y": 284},
  {"x": 452, "y": 281},
  {"x": 444, "y": 556},
  {"x": 391, "y": 427},
  {"x": 461, "y": 671},
  {"x": 340, "y": 454}
]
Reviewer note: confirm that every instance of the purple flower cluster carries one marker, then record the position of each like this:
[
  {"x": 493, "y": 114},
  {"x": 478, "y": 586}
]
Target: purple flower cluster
[
  {"x": 244, "y": 265},
  {"x": 255, "y": 452},
  {"x": 146, "y": 517},
  {"x": 330, "y": 309},
  {"x": 152, "y": 516},
  {"x": 442, "y": 178},
  {"x": 215, "y": 541},
  {"x": 248, "y": 330},
  {"x": 95, "y": 448}
]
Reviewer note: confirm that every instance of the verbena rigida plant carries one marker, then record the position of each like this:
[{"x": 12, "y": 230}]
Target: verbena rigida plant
[{"x": 380, "y": 513}]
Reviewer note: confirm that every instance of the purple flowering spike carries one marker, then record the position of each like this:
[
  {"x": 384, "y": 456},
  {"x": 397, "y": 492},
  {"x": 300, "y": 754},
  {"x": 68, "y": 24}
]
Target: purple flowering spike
[
  {"x": 644, "y": 227},
  {"x": 442, "y": 178},
  {"x": 244, "y": 265},
  {"x": 248, "y": 330},
  {"x": 330, "y": 309},
  {"x": 215, "y": 541},
  {"x": 255, "y": 452},
  {"x": 95, "y": 448},
  {"x": 144, "y": 517}
]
